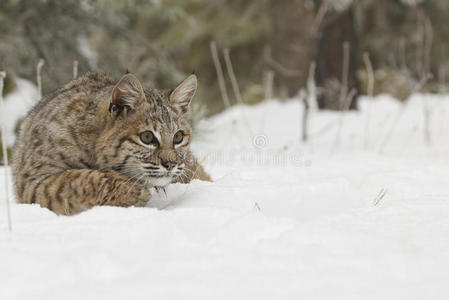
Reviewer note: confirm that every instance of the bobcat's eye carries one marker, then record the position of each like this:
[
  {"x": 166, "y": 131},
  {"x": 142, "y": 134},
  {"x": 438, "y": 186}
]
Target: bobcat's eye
[
  {"x": 147, "y": 137},
  {"x": 179, "y": 136}
]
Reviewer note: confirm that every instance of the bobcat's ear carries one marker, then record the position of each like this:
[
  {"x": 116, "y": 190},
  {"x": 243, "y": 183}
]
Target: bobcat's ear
[
  {"x": 127, "y": 93},
  {"x": 183, "y": 93}
]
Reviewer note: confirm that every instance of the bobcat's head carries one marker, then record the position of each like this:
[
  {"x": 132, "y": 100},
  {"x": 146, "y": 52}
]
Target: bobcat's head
[{"x": 148, "y": 133}]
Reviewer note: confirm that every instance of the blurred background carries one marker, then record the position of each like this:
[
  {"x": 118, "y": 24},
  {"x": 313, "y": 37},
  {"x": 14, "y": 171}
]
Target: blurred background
[{"x": 336, "y": 50}]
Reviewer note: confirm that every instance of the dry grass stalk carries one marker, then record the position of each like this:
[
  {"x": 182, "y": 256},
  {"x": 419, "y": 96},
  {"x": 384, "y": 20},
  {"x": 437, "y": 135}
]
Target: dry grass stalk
[
  {"x": 75, "y": 69},
  {"x": 235, "y": 86},
  {"x": 231, "y": 74},
  {"x": 219, "y": 70},
  {"x": 39, "y": 66},
  {"x": 269, "y": 78},
  {"x": 379, "y": 196},
  {"x": 345, "y": 96},
  {"x": 370, "y": 74},
  {"x": 5, "y": 153},
  {"x": 306, "y": 99},
  {"x": 344, "y": 77},
  {"x": 442, "y": 76},
  {"x": 370, "y": 93}
]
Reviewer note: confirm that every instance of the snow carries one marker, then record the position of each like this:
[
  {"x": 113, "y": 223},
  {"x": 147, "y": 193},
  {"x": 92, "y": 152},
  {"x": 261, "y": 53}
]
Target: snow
[
  {"x": 282, "y": 220},
  {"x": 16, "y": 106}
]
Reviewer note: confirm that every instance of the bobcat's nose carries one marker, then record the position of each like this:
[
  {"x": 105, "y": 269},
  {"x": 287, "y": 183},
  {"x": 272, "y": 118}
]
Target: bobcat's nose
[{"x": 169, "y": 165}]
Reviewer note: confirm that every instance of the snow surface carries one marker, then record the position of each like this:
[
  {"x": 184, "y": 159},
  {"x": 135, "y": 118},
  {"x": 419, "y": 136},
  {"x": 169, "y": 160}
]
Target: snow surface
[{"x": 282, "y": 220}]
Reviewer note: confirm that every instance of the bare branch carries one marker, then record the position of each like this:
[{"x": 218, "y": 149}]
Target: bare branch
[{"x": 278, "y": 67}]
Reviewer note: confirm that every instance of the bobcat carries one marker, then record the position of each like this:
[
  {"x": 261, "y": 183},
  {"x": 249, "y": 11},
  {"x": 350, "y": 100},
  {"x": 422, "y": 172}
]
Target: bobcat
[{"x": 97, "y": 142}]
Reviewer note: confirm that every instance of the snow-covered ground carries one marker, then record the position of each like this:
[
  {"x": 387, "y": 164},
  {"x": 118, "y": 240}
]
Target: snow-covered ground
[{"x": 282, "y": 220}]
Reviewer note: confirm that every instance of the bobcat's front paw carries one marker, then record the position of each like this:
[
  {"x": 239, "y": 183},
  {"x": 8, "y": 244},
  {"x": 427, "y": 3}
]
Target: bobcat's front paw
[
  {"x": 141, "y": 195},
  {"x": 128, "y": 193}
]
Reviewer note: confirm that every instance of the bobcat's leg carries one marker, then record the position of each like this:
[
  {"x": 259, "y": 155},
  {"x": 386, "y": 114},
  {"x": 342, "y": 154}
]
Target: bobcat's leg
[{"x": 73, "y": 191}]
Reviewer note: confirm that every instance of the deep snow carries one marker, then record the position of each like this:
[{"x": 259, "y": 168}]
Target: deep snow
[{"x": 282, "y": 220}]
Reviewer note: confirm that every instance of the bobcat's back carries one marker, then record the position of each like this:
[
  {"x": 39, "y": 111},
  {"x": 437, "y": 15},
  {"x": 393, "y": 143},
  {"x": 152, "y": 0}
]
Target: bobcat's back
[{"x": 60, "y": 130}]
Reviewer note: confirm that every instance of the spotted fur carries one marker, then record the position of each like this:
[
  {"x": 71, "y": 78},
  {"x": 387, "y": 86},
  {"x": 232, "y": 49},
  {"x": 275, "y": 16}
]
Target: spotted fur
[{"x": 82, "y": 146}]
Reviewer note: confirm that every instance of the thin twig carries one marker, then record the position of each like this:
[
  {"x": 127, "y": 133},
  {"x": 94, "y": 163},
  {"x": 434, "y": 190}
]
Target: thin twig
[
  {"x": 419, "y": 54},
  {"x": 442, "y": 74},
  {"x": 344, "y": 75},
  {"x": 39, "y": 66},
  {"x": 235, "y": 87},
  {"x": 5, "y": 153},
  {"x": 311, "y": 86},
  {"x": 305, "y": 100},
  {"x": 379, "y": 196},
  {"x": 428, "y": 29},
  {"x": 370, "y": 93},
  {"x": 269, "y": 77},
  {"x": 370, "y": 74},
  {"x": 231, "y": 74},
  {"x": 219, "y": 70},
  {"x": 402, "y": 56},
  {"x": 345, "y": 97}
]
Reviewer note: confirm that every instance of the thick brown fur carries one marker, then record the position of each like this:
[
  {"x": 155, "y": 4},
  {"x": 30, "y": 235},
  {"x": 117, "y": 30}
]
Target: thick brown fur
[{"x": 83, "y": 145}]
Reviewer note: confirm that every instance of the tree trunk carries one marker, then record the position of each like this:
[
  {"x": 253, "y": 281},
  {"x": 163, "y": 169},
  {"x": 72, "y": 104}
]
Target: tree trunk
[
  {"x": 338, "y": 28},
  {"x": 290, "y": 53}
]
